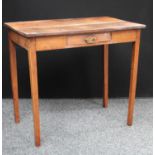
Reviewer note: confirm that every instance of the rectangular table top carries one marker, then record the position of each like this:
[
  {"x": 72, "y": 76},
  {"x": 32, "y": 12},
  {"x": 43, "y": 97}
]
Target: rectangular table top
[{"x": 71, "y": 26}]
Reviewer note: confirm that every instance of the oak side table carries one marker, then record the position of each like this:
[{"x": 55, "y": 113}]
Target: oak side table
[{"x": 43, "y": 35}]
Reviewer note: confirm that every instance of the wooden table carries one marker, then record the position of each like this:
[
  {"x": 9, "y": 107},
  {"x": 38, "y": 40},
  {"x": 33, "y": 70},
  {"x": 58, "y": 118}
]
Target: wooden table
[{"x": 43, "y": 35}]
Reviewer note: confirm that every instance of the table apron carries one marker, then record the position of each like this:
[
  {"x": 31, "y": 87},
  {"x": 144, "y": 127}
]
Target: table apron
[{"x": 78, "y": 40}]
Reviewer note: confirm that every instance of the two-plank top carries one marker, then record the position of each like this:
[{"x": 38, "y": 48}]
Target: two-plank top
[{"x": 71, "y": 26}]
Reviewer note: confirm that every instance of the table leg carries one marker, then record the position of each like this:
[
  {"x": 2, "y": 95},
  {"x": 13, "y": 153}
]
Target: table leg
[
  {"x": 133, "y": 78},
  {"x": 14, "y": 79},
  {"x": 105, "y": 90},
  {"x": 32, "y": 57}
]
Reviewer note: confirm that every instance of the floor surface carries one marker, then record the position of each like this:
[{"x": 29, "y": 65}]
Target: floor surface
[{"x": 79, "y": 127}]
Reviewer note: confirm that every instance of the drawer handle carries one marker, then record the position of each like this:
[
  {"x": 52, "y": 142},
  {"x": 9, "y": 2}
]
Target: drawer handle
[{"x": 90, "y": 40}]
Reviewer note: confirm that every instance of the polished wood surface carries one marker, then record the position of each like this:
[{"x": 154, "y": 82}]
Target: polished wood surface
[
  {"x": 43, "y": 35},
  {"x": 71, "y": 26}
]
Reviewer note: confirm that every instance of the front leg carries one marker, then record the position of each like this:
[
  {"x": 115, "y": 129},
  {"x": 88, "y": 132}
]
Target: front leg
[
  {"x": 32, "y": 57},
  {"x": 14, "y": 78},
  {"x": 133, "y": 78}
]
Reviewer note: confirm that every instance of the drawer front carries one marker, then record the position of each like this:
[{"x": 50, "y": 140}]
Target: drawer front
[{"x": 88, "y": 39}]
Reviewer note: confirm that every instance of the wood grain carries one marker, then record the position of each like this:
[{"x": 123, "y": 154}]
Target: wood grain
[
  {"x": 34, "y": 89},
  {"x": 71, "y": 26},
  {"x": 14, "y": 78},
  {"x": 133, "y": 78}
]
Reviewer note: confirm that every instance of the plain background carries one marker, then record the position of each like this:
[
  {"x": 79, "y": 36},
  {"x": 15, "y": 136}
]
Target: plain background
[{"x": 78, "y": 72}]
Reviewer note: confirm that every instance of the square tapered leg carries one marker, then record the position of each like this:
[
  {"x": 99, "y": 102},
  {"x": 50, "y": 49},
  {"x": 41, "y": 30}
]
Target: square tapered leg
[
  {"x": 105, "y": 75},
  {"x": 14, "y": 78},
  {"x": 133, "y": 78},
  {"x": 32, "y": 57}
]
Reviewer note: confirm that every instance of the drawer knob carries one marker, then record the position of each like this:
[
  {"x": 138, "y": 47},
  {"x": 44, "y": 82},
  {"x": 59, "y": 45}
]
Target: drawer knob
[{"x": 90, "y": 40}]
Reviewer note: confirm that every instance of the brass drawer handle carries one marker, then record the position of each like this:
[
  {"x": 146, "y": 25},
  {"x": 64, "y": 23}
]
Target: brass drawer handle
[{"x": 90, "y": 40}]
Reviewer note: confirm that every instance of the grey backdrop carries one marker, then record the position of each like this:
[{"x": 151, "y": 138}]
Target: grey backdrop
[{"x": 78, "y": 72}]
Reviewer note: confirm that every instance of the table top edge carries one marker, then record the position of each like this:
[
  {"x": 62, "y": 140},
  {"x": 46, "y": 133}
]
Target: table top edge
[{"x": 28, "y": 35}]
